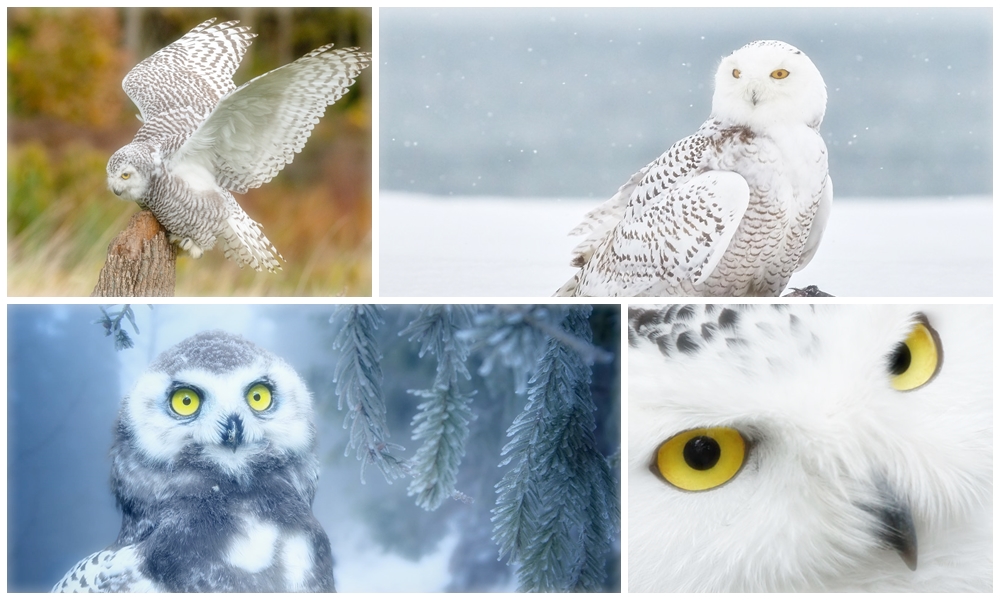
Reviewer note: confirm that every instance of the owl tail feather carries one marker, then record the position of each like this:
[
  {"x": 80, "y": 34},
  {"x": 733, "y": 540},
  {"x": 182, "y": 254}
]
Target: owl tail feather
[{"x": 246, "y": 244}]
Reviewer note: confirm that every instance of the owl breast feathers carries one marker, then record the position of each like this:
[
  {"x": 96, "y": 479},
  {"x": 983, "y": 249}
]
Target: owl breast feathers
[
  {"x": 732, "y": 210},
  {"x": 203, "y": 138},
  {"x": 214, "y": 470},
  {"x": 777, "y": 448}
]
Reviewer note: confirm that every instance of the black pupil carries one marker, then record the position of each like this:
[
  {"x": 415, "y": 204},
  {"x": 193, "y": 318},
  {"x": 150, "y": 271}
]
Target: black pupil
[
  {"x": 256, "y": 397},
  {"x": 186, "y": 400},
  {"x": 899, "y": 362},
  {"x": 702, "y": 453}
]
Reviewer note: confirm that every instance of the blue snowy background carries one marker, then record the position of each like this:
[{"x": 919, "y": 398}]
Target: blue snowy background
[
  {"x": 66, "y": 381},
  {"x": 571, "y": 102}
]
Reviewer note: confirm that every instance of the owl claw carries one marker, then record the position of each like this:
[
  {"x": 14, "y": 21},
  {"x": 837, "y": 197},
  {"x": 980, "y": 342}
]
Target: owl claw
[{"x": 187, "y": 244}]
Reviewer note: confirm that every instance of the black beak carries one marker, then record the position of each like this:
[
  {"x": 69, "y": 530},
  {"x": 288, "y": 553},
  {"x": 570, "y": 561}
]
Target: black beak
[
  {"x": 895, "y": 523},
  {"x": 232, "y": 432}
]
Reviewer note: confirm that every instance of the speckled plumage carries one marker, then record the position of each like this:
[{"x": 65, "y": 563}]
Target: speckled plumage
[
  {"x": 732, "y": 210},
  {"x": 219, "y": 500},
  {"x": 203, "y": 138}
]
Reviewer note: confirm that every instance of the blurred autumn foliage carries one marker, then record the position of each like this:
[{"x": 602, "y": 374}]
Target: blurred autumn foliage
[{"x": 67, "y": 113}]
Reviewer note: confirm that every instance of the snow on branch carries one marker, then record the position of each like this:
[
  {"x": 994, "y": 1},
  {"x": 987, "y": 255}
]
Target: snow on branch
[
  {"x": 442, "y": 420},
  {"x": 557, "y": 512},
  {"x": 359, "y": 388}
]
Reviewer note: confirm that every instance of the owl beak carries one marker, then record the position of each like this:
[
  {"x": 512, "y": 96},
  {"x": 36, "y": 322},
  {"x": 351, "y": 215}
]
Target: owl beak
[
  {"x": 232, "y": 432},
  {"x": 896, "y": 523}
]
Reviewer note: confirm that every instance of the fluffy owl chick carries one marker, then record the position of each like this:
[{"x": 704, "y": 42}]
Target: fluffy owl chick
[
  {"x": 732, "y": 210},
  {"x": 810, "y": 448},
  {"x": 203, "y": 138},
  {"x": 214, "y": 470}
]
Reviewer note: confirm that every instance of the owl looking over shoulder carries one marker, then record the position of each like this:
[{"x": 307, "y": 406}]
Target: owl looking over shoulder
[
  {"x": 732, "y": 210},
  {"x": 810, "y": 448},
  {"x": 214, "y": 469}
]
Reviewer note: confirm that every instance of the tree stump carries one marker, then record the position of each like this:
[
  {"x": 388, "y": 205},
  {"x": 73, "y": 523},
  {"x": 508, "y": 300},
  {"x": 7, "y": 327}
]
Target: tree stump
[{"x": 141, "y": 262}]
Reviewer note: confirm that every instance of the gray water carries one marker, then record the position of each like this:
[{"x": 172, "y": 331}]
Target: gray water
[{"x": 571, "y": 102}]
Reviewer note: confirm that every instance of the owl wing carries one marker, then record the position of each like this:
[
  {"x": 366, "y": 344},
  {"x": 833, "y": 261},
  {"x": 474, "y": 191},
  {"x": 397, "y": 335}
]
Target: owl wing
[
  {"x": 818, "y": 225},
  {"x": 678, "y": 222},
  {"x": 600, "y": 221},
  {"x": 179, "y": 85},
  {"x": 257, "y": 129},
  {"x": 112, "y": 570}
]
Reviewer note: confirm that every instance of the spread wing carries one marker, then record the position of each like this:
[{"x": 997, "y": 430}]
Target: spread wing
[
  {"x": 257, "y": 129},
  {"x": 179, "y": 85},
  {"x": 107, "y": 571},
  {"x": 676, "y": 225}
]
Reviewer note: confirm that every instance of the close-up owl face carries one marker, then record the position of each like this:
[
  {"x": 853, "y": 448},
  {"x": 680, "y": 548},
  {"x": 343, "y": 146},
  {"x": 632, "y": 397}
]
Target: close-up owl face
[
  {"x": 219, "y": 402},
  {"x": 795, "y": 448},
  {"x": 769, "y": 82}
]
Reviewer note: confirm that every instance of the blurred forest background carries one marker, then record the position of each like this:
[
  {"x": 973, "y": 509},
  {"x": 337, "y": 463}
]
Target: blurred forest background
[
  {"x": 61, "y": 424},
  {"x": 67, "y": 113}
]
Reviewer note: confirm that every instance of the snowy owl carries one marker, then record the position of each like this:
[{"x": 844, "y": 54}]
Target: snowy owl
[
  {"x": 810, "y": 448},
  {"x": 203, "y": 138},
  {"x": 732, "y": 210},
  {"x": 214, "y": 470}
]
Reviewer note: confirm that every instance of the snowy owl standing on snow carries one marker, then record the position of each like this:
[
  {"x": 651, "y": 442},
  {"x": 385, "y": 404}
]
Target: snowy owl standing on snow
[
  {"x": 203, "y": 138},
  {"x": 732, "y": 210},
  {"x": 214, "y": 468},
  {"x": 810, "y": 448}
]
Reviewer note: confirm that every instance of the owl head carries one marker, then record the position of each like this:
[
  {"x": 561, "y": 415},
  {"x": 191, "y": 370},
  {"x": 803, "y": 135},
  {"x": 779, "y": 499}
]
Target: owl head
[
  {"x": 214, "y": 409},
  {"x": 778, "y": 448},
  {"x": 768, "y": 83},
  {"x": 127, "y": 177}
]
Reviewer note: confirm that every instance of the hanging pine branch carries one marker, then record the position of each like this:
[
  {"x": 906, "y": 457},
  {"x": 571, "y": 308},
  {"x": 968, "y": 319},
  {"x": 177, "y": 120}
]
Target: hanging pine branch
[
  {"x": 112, "y": 322},
  {"x": 359, "y": 388},
  {"x": 442, "y": 420},
  {"x": 557, "y": 509}
]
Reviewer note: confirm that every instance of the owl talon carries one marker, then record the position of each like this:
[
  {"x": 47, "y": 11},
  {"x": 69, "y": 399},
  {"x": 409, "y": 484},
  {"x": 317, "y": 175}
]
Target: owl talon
[{"x": 187, "y": 244}]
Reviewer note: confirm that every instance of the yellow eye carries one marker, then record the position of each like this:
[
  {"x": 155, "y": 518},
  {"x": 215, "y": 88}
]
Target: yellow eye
[
  {"x": 259, "y": 397},
  {"x": 185, "y": 402},
  {"x": 125, "y": 175},
  {"x": 917, "y": 359},
  {"x": 779, "y": 74},
  {"x": 736, "y": 73},
  {"x": 701, "y": 459}
]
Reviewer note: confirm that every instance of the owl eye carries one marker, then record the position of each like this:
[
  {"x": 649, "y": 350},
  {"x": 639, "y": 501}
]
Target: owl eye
[
  {"x": 701, "y": 459},
  {"x": 916, "y": 360},
  {"x": 125, "y": 175},
  {"x": 779, "y": 74},
  {"x": 259, "y": 397},
  {"x": 736, "y": 73},
  {"x": 185, "y": 401}
]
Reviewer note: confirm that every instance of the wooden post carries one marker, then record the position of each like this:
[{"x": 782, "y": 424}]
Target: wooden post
[{"x": 141, "y": 262}]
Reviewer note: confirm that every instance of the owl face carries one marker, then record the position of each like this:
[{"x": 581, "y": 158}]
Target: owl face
[
  {"x": 768, "y": 83},
  {"x": 125, "y": 179},
  {"x": 217, "y": 402},
  {"x": 776, "y": 448}
]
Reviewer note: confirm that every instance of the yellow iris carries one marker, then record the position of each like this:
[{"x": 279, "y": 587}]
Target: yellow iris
[
  {"x": 917, "y": 359},
  {"x": 736, "y": 73},
  {"x": 259, "y": 397},
  {"x": 701, "y": 459},
  {"x": 779, "y": 74},
  {"x": 185, "y": 402}
]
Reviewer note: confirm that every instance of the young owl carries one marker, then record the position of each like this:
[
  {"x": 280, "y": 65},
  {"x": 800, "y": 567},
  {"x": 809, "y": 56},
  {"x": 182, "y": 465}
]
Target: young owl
[
  {"x": 810, "y": 448},
  {"x": 214, "y": 470},
  {"x": 732, "y": 210}
]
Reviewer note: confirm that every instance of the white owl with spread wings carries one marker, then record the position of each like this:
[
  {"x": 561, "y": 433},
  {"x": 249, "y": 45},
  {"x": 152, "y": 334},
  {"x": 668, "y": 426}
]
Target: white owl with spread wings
[
  {"x": 203, "y": 138},
  {"x": 732, "y": 210}
]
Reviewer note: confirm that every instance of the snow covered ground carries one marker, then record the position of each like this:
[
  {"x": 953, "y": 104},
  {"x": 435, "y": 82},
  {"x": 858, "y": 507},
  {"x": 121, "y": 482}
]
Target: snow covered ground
[{"x": 500, "y": 247}]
